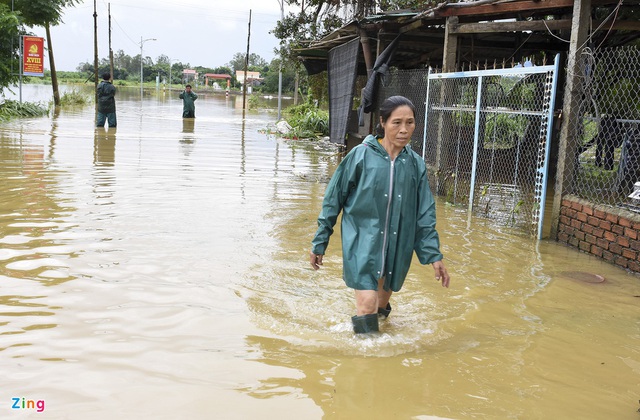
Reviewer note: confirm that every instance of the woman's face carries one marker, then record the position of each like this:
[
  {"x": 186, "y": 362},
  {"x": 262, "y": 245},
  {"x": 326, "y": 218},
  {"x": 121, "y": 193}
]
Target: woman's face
[{"x": 399, "y": 126}]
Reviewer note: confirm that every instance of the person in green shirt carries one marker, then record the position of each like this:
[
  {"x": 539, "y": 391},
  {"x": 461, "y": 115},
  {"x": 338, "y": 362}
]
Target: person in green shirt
[
  {"x": 188, "y": 106},
  {"x": 388, "y": 212}
]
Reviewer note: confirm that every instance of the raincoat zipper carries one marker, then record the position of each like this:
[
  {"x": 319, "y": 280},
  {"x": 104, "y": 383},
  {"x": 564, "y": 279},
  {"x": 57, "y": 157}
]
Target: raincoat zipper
[{"x": 386, "y": 222}]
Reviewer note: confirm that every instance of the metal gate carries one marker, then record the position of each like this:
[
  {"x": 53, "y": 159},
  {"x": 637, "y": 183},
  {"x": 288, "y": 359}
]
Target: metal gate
[{"x": 487, "y": 141}]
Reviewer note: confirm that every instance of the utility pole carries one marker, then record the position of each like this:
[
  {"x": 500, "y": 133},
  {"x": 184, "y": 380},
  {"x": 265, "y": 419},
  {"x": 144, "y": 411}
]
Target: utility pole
[
  {"x": 95, "y": 54},
  {"x": 246, "y": 65},
  {"x": 280, "y": 70},
  {"x": 110, "y": 49}
]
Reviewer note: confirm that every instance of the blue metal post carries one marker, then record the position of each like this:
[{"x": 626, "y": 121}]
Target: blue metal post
[
  {"x": 476, "y": 142},
  {"x": 547, "y": 152},
  {"x": 426, "y": 114}
]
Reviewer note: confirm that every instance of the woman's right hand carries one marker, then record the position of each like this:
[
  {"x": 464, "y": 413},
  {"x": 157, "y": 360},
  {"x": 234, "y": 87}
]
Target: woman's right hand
[
  {"x": 441, "y": 273},
  {"x": 316, "y": 260}
]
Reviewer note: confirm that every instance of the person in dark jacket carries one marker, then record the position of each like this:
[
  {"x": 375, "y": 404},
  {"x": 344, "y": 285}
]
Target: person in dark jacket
[
  {"x": 106, "y": 102},
  {"x": 188, "y": 106},
  {"x": 388, "y": 212}
]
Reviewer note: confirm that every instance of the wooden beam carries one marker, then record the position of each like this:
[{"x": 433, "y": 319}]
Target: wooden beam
[
  {"x": 511, "y": 7},
  {"x": 411, "y": 26},
  {"x": 507, "y": 7},
  {"x": 520, "y": 26},
  {"x": 537, "y": 25}
]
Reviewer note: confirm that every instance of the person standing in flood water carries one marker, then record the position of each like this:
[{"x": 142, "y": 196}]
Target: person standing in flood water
[
  {"x": 188, "y": 102},
  {"x": 388, "y": 212},
  {"x": 106, "y": 102}
]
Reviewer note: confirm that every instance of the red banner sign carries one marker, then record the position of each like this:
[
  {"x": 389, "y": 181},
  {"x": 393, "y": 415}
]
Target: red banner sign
[{"x": 32, "y": 56}]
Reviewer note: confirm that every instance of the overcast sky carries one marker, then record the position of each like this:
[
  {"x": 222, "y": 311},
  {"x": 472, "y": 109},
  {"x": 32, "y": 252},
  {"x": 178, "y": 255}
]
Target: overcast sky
[{"x": 197, "y": 32}]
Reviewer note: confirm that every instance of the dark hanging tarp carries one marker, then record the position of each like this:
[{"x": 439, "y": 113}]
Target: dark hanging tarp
[
  {"x": 342, "y": 72},
  {"x": 379, "y": 71}
]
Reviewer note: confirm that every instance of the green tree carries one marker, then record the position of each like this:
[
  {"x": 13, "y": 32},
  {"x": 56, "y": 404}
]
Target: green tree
[
  {"x": 272, "y": 76},
  {"x": 123, "y": 61},
  {"x": 317, "y": 18},
  {"x": 256, "y": 63},
  {"x": 45, "y": 13},
  {"x": 223, "y": 70},
  {"x": 314, "y": 19},
  {"x": 9, "y": 47}
]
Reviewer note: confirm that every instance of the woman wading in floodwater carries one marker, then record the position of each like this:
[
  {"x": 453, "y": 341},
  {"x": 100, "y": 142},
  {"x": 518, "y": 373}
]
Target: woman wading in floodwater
[{"x": 382, "y": 189}]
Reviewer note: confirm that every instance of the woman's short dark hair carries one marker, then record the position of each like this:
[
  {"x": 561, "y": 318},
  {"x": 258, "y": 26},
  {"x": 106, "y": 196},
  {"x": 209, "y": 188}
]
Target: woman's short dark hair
[{"x": 388, "y": 106}]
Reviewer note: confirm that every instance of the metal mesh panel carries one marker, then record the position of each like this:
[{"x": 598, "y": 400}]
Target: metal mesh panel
[
  {"x": 487, "y": 142},
  {"x": 605, "y": 138}
]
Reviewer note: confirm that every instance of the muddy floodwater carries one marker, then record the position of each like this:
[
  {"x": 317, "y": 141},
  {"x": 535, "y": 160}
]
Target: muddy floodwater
[{"x": 160, "y": 271}]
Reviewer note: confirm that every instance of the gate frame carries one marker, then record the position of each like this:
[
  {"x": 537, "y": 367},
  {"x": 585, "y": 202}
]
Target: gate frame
[{"x": 547, "y": 112}]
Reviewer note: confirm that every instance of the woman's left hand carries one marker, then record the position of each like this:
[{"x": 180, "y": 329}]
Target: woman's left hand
[{"x": 441, "y": 273}]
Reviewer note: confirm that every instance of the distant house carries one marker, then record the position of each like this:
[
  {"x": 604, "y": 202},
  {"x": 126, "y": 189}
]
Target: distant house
[
  {"x": 253, "y": 78},
  {"x": 189, "y": 75}
]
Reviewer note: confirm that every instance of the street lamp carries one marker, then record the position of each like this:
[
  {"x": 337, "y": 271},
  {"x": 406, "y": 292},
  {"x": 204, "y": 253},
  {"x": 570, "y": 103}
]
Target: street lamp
[
  {"x": 281, "y": 2},
  {"x": 170, "y": 60},
  {"x": 142, "y": 41}
]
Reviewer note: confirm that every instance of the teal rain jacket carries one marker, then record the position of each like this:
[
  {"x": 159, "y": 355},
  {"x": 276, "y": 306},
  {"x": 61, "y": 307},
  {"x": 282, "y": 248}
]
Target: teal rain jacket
[
  {"x": 106, "y": 100},
  {"x": 387, "y": 213},
  {"x": 188, "y": 99}
]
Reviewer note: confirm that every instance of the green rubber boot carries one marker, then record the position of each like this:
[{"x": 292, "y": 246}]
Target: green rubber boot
[
  {"x": 384, "y": 312},
  {"x": 365, "y": 323}
]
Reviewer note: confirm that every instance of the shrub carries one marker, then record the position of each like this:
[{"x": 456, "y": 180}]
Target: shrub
[
  {"x": 14, "y": 109},
  {"x": 73, "y": 97},
  {"x": 307, "y": 121}
]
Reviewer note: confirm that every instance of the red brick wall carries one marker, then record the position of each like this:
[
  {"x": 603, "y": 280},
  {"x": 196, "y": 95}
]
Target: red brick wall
[{"x": 610, "y": 233}]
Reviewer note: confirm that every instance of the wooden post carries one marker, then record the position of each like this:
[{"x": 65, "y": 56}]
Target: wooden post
[
  {"x": 246, "y": 65},
  {"x": 570, "y": 110},
  {"x": 366, "y": 51},
  {"x": 449, "y": 64},
  {"x": 110, "y": 49},
  {"x": 450, "y": 45},
  {"x": 95, "y": 55},
  {"x": 52, "y": 64}
]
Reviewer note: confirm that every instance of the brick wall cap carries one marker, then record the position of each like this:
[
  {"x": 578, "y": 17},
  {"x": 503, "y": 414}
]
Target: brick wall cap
[{"x": 620, "y": 212}]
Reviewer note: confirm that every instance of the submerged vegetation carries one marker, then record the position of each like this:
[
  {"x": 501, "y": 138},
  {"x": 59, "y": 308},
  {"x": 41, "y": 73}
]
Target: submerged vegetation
[
  {"x": 14, "y": 109},
  {"x": 74, "y": 97},
  {"x": 307, "y": 121},
  {"x": 10, "y": 109}
]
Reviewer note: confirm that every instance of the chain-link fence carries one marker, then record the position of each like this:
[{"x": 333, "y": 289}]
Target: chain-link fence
[
  {"x": 605, "y": 139},
  {"x": 411, "y": 84},
  {"x": 513, "y": 138},
  {"x": 487, "y": 141},
  {"x": 513, "y": 132}
]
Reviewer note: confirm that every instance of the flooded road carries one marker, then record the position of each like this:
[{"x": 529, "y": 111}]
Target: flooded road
[{"x": 160, "y": 270}]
